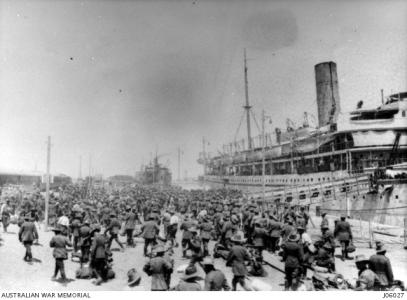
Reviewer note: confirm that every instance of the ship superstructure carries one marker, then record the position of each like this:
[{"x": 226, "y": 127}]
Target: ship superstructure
[
  {"x": 154, "y": 173},
  {"x": 344, "y": 157}
]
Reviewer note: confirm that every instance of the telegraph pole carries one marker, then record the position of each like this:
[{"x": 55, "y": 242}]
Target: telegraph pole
[
  {"x": 90, "y": 176},
  {"x": 80, "y": 167},
  {"x": 47, "y": 182},
  {"x": 204, "y": 154},
  {"x": 179, "y": 163}
]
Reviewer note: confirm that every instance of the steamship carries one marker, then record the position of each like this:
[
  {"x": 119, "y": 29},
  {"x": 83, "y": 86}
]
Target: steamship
[{"x": 354, "y": 163}]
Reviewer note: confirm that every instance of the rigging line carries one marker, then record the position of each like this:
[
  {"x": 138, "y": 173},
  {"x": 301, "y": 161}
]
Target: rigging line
[
  {"x": 240, "y": 123},
  {"x": 255, "y": 121}
]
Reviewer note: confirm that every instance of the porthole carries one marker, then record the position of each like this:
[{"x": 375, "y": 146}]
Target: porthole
[{"x": 397, "y": 196}]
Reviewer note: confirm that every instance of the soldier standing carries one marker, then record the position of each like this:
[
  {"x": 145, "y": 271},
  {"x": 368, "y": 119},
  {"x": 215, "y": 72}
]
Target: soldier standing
[
  {"x": 85, "y": 241},
  {"x": 59, "y": 243},
  {"x": 293, "y": 256},
  {"x": 129, "y": 225},
  {"x": 98, "y": 255},
  {"x": 206, "y": 228},
  {"x": 236, "y": 259},
  {"x": 150, "y": 231},
  {"x": 113, "y": 229},
  {"x": 344, "y": 235},
  {"x": 27, "y": 234}
]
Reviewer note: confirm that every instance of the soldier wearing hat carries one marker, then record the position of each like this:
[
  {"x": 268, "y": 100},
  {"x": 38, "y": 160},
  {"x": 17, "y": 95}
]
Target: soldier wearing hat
[
  {"x": 293, "y": 256},
  {"x": 259, "y": 238},
  {"x": 26, "y": 235},
  {"x": 186, "y": 234},
  {"x": 195, "y": 245},
  {"x": 189, "y": 280},
  {"x": 206, "y": 228},
  {"x": 59, "y": 243},
  {"x": 325, "y": 258},
  {"x": 5, "y": 214},
  {"x": 380, "y": 264},
  {"x": 324, "y": 221},
  {"x": 274, "y": 229},
  {"x": 166, "y": 218},
  {"x": 238, "y": 254},
  {"x": 287, "y": 229},
  {"x": 85, "y": 241},
  {"x": 173, "y": 228},
  {"x": 344, "y": 235},
  {"x": 308, "y": 248},
  {"x": 367, "y": 279},
  {"x": 155, "y": 215},
  {"x": 150, "y": 231},
  {"x": 98, "y": 254},
  {"x": 328, "y": 237},
  {"x": 129, "y": 225},
  {"x": 75, "y": 226},
  {"x": 157, "y": 268},
  {"x": 215, "y": 280},
  {"x": 113, "y": 229}
]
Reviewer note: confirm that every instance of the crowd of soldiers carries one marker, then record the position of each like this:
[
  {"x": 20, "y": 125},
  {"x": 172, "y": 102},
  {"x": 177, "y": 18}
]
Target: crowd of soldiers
[{"x": 90, "y": 221}]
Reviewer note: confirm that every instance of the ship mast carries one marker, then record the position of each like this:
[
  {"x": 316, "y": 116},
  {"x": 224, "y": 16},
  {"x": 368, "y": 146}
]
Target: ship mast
[{"x": 247, "y": 107}]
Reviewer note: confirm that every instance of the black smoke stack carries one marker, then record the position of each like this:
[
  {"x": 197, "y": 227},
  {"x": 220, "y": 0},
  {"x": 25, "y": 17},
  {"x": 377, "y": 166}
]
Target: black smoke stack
[{"x": 327, "y": 93}]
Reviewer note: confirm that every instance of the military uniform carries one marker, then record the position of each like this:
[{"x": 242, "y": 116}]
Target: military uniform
[
  {"x": 27, "y": 234},
  {"x": 59, "y": 243},
  {"x": 236, "y": 258},
  {"x": 157, "y": 267},
  {"x": 274, "y": 228},
  {"x": 381, "y": 265},
  {"x": 205, "y": 234},
  {"x": 129, "y": 225},
  {"x": 84, "y": 241},
  {"x": 99, "y": 256},
  {"x": 150, "y": 230},
  {"x": 114, "y": 229},
  {"x": 293, "y": 256},
  {"x": 344, "y": 235}
]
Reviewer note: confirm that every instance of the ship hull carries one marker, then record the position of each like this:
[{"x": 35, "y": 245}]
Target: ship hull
[{"x": 336, "y": 193}]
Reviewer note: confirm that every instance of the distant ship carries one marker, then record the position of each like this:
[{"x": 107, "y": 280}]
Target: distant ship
[
  {"x": 154, "y": 173},
  {"x": 350, "y": 163}
]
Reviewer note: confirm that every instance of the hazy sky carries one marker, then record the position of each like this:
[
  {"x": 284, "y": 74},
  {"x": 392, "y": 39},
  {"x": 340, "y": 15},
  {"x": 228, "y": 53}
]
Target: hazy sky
[{"x": 117, "y": 78}]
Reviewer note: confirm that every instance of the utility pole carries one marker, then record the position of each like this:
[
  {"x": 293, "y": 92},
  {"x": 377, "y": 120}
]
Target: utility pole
[
  {"x": 179, "y": 163},
  {"x": 47, "y": 182},
  {"x": 247, "y": 106},
  {"x": 90, "y": 176},
  {"x": 80, "y": 167},
  {"x": 204, "y": 154}
]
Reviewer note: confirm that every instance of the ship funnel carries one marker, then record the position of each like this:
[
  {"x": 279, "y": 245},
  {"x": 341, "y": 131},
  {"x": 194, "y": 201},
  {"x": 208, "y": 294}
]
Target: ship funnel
[{"x": 327, "y": 93}]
